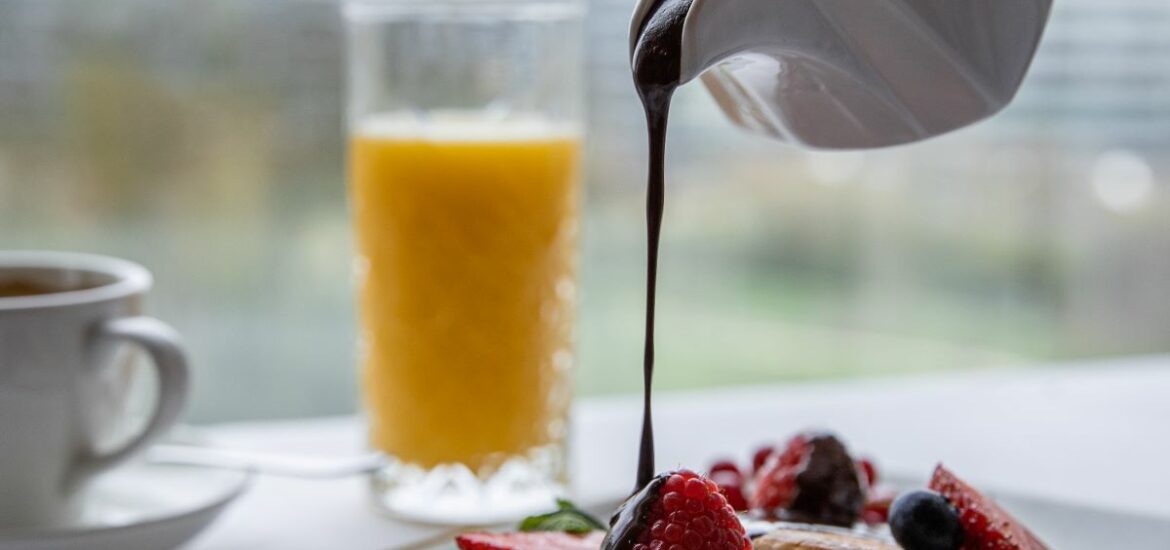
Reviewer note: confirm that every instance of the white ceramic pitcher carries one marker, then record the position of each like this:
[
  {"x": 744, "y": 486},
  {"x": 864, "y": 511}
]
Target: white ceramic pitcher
[{"x": 846, "y": 74}]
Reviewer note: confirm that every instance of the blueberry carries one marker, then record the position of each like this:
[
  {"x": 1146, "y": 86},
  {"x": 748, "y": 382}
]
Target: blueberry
[{"x": 924, "y": 520}]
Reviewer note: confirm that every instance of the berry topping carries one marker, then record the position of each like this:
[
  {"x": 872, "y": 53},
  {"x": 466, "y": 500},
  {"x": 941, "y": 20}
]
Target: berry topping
[
  {"x": 727, "y": 476},
  {"x": 529, "y": 541},
  {"x": 812, "y": 480},
  {"x": 676, "y": 511},
  {"x": 877, "y": 505},
  {"x": 986, "y": 525},
  {"x": 725, "y": 466},
  {"x": 924, "y": 520},
  {"x": 870, "y": 471},
  {"x": 775, "y": 481},
  {"x": 731, "y": 485},
  {"x": 761, "y": 456}
]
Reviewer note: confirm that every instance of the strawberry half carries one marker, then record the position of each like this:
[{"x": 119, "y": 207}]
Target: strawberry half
[
  {"x": 775, "y": 483},
  {"x": 985, "y": 524},
  {"x": 813, "y": 480},
  {"x": 543, "y": 540}
]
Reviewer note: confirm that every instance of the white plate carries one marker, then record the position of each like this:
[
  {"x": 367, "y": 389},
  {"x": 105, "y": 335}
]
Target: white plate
[
  {"x": 1060, "y": 525},
  {"x": 139, "y": 507},
  {"x": 1074, "y": 527},
  {"x": 1067, "y": 526}
]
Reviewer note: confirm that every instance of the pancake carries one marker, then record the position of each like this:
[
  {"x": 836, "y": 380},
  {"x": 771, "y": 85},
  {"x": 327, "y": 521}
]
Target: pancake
[{"x": 800, "y": 538}]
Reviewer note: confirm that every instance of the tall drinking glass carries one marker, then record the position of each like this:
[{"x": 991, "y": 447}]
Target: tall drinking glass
[{"x": 464, "y": 168}]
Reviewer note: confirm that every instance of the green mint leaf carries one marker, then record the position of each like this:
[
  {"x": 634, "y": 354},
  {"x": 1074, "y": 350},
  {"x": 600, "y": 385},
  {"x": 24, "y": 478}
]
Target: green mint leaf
[{"x": 568, "y": 518}]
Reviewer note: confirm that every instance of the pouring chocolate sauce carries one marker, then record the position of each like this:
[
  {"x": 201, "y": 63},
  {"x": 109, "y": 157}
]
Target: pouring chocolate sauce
[
  {"x": 833, "y": 74},
  {"x": 656, "y": 76}
]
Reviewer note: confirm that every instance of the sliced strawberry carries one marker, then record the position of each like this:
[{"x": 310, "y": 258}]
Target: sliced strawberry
[
  {"x": 775, "y": 483},
  {"x": 725, "y": 467},
  {"x": 877, "y": 505},
  {"x": 541, "y": 540},
  {"x": 812, "y": 480},
  {"x": 986, "y": 525},
  {"x": 761, "y": 456},
  {"x": 870, "y": 471}
]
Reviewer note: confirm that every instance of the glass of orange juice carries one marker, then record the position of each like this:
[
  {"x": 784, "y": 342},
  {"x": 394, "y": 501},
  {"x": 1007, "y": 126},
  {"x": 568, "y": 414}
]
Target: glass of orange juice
[{"x": 464, "y": 176}]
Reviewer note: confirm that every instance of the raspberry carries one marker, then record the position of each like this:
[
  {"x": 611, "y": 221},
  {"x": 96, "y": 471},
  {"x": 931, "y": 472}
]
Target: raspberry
[
  {"x": 727, "y": 476},
  {"x": 734, "y": 496},
  {"x": 680, "y": 510}
]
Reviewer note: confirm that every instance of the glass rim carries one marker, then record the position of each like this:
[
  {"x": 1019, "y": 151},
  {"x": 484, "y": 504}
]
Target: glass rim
[{"x": 507, "y": 10}]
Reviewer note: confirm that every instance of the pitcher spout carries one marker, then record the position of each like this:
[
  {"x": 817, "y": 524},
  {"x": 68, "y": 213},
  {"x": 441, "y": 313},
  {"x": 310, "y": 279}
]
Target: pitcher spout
[{"x": 840, "y": 74}]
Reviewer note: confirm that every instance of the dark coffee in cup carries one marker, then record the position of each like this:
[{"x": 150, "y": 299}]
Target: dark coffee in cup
[{"x": 24, "y": 287}]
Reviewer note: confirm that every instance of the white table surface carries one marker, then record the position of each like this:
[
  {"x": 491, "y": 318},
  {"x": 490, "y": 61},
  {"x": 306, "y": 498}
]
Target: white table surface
[{"x": 1094, "y": 433}]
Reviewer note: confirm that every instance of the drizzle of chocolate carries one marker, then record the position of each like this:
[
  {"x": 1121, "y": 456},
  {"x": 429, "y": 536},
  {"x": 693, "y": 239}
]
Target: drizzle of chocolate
[
  {"x": 629, "y": 521},
  {"x": 656, "y": 66}
]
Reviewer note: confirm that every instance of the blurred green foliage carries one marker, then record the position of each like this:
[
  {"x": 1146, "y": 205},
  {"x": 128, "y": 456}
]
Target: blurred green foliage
[{"x": 204, "y": 139}]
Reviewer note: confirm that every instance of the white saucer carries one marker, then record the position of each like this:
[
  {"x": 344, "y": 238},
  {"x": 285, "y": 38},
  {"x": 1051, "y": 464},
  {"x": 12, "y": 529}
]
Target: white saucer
[{"x": 139, "y": 506}]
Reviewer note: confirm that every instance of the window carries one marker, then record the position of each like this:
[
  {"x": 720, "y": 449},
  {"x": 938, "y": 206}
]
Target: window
[{"x": 204, "y": 140}]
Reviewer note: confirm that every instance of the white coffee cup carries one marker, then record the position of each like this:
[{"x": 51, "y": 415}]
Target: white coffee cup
[{"x": 62, "y": 316}]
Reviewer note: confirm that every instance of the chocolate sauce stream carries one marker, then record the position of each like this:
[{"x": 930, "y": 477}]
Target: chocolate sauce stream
[
  {"x": 629, "y": 521},
  {"x": 656, "y": 61},
  {"x": 656, "y": 118}
]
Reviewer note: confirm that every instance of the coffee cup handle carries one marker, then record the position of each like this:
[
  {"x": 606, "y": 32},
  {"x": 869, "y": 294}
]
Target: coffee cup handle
[{"x": 163, "y": 345}]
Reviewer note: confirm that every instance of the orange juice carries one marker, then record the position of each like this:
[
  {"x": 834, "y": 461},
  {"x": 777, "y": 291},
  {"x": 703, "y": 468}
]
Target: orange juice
[{"x": 466, "y": 236}]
